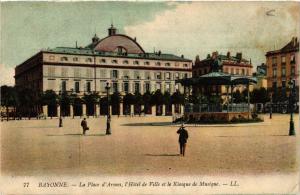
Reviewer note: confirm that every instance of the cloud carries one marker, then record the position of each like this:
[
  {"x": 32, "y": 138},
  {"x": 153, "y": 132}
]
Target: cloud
[
  {"x": 203, "y": 27},
  {"x": 7, "y": 75}
]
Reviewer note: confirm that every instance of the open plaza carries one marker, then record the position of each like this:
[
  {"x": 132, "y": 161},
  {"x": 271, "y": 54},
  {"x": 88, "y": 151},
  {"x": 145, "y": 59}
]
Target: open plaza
[{"x": 146, "y": 146}]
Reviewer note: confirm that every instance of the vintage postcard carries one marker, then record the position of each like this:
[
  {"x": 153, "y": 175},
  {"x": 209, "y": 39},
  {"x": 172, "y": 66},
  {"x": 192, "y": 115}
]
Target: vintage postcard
[{"x": 135, "y": 97}]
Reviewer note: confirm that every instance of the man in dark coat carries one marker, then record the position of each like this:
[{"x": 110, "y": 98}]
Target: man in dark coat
[
  {"x": 183, "y": 136},
  {"x": 84, "y": 126}
]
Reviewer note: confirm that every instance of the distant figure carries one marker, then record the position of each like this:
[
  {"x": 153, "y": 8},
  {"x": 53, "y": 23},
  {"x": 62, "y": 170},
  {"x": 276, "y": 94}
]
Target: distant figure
[
  {"x": 183, "y": 136},
  {"x": 84, "y": 126}
]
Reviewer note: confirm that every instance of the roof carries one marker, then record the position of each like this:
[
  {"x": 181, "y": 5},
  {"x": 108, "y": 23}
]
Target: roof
[
  {"x": 112, "y": 42},
  {"x": 91, "y": 52},
  {"x": 292, "y": 46},
  {"x": 218, "y": 78},
  {"x": 223, "y": 58}
]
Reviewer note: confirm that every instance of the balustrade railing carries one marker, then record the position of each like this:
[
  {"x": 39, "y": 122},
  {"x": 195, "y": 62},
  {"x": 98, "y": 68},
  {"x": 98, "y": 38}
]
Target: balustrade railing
[{"x": 242, "y": 107}]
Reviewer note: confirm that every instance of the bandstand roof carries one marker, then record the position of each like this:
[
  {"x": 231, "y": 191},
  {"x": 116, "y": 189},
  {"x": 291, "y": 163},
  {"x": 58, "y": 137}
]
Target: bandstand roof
[{"x": 217, "y": 78}]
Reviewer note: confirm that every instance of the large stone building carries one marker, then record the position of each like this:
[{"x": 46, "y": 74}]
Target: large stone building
[
  {"x": 282, "y": 66},
  {"x": 117, "y": 59}
]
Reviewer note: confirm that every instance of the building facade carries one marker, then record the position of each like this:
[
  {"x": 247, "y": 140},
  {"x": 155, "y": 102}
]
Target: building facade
[
  {"x": 116, "y": 59},
  {"x": 282, "y": 66},
  {"x": 234, "y": 65}
]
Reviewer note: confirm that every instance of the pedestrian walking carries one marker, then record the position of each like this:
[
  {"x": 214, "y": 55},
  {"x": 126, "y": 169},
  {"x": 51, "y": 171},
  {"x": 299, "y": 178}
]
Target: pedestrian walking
[
  {"x": 183, "y": 136},
  {"x": 84, "y": 126}
]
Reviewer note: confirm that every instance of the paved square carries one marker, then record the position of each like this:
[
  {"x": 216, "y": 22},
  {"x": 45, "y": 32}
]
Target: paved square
[{"x": 146, "y": 145}]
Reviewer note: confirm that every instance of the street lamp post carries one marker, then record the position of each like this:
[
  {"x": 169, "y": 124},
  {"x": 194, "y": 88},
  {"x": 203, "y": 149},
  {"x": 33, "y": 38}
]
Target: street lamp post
[
  {"x": 108, "y": 130},
  {"x": 60, "y": 108},
  {"x": 271, "y": 105},
  {"x": 291, "y": 106}
]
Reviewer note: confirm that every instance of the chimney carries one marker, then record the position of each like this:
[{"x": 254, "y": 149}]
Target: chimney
[
  {"x": 208, "y": 56},
  {"x": 215, "y": 55},
  {"x": 239, "y": 56},
  {"x": 159, "y": 52},
  {"x": 197, "y": 60},
  {"x": 228, "y": 54},
  {"x": 134, "y": 39},
  {"x": 182, "y": 56}
]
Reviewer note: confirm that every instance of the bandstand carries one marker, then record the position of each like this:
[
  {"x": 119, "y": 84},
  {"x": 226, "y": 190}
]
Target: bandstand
[{"x": 212, "y": 84}]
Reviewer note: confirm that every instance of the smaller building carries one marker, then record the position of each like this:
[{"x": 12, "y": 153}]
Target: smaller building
[
  {"x": 233, "y": 65},
  {"x": 282, "y": 66},
  {"x": 261, "y": 76}
]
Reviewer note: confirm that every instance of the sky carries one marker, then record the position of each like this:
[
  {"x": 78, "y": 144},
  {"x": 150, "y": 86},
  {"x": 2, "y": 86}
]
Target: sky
[{"x": 188, "y": 28}]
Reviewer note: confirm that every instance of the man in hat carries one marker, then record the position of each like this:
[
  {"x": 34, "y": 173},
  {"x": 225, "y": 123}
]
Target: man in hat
[
  {"x": 84, "y": 126},
  {"x": 183, "y": 136}
]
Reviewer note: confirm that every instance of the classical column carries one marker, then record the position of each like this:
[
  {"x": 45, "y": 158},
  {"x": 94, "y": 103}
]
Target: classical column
[
  {"x": 58, "y": 110},
  {"x": 163, "y": 110},
  {"x": 153, "y": 110},
  {"x": 131, "y": 109},
  {"x": 97, "y": 110},
  {"x": 45, "y": 110},
  {"x": 121, "y": 109},
  {"x": 173, "y": 109},
  {"x": 71, "y": 110},
  {"x": 181, "y": 109},
  {"x": 83, "y": 109},
  {"x": 142, "y": 109}
]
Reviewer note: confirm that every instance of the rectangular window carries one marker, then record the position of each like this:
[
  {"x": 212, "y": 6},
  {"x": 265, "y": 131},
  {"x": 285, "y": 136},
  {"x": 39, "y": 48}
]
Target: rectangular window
[
  {"x": 237, "y": 71},
  {"x": 114, "y": 61},
  {"x": 77, "y": 87},
  {"x": 125, "y": 62},
  {"x": 136, "y": 62},
  {"x": 232, "y": 71},
  {"x": 77, "y": 72},
  {"x": 102, "y": 61},
  {"x": 274, "y": 85},
  {"x": 185, "y": 65},
  {"x": 147, "y": 75},
  {"x": 168, "y": 76},
  {"x": 293, "y": 59},
  {"x": 51, "y": 57},
  {"x": 63, "y": 59},
  {"x": 168, "y": 87},
  {"x": 126, "y": 87},
  {"x": 147, "y": 86},
  {"x": 102, "y": 86},
  {"x": 274, "y": 61},
  {"x": 51, "y": 71},
  {"x": 103, "y": 73},
  {"x": 243, "y": 71},
  {"x": 115, "y": 87},
  {"x": 167, "y": 64},
  {"x": 146, "y": 63},
  {"x": 88, "y": 86},
  {"x": 64, "y": 86},
  {"x": 64, "y": 72},
  {"x": 293, "y": 71},
  {"x": 89, "y": 73},
  {"x": 158, "y": 75},
  {"x": 283, "y": 60},
  {"x": 283, "y": 84},
  {"x": 176, "y": 75},
  {"x": 137, "y": 87},
  {"x": 186, "y": 75},
  {"x": 158, "y": 86},
  {"x": 157, "y": 63},
  {"x": 115, "y": 74},
  {"x": 88, "y": 60},
  {"x": 136, "y": 75},
  {"x": 283, "y": 71},
  {"x": 274, "y": 72},
  {"x": 75, "y": 59},
  {"x": 248, "y": 72}
]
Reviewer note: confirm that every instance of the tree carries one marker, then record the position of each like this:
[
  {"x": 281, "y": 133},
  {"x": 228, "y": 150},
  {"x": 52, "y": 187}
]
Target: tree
[
  {"x": 128, "y": 100},
  {"x": 237, "y": 96},
  {"x": 49, "y": 98},
  {"x": 177, "y": 98},
  {"x": 7, "y": 98},
  {"x": 115, "y": 102},
  {"x": 147, "y": 102},
  {"x": 168, "y": 102},
  {"x": 138, "y": 101},
  {"x": 91, "y": 100}
]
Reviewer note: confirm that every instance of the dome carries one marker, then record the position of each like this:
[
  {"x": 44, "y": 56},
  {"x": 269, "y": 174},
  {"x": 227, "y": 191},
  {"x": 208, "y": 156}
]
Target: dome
[{"x": 119, "y": 42}]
